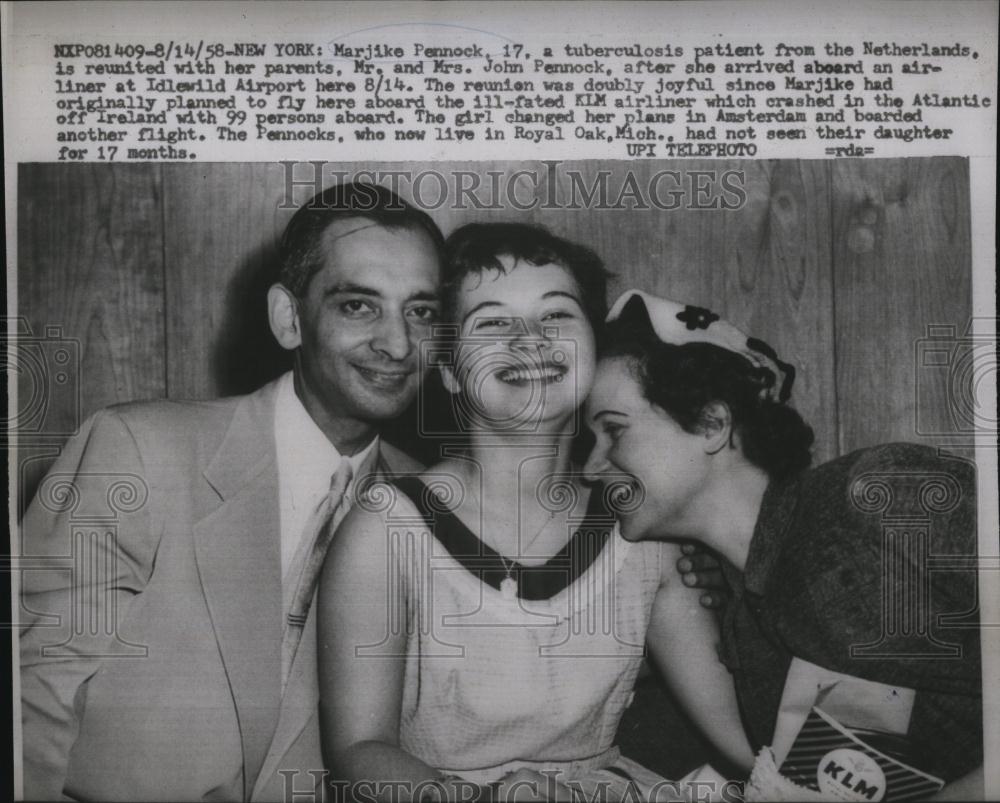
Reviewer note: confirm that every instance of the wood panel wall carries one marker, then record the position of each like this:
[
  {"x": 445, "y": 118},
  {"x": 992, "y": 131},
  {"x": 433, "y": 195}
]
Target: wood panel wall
[{"x": 158, "y": 273}]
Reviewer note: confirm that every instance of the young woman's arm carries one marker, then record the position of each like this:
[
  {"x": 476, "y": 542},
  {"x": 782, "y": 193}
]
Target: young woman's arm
[
  {"x": 683, "y": 639},
  {"x": 361, "y": 694}
]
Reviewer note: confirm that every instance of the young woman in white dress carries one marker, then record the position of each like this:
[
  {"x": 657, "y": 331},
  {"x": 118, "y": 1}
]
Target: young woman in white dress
[{"x": 482, "y": 624}]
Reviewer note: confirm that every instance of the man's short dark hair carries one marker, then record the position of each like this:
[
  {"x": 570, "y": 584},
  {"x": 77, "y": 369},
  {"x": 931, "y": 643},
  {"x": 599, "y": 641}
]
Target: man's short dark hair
[
  {"x": 477, "y": 247},
  {"x": 302, "y": 243}
]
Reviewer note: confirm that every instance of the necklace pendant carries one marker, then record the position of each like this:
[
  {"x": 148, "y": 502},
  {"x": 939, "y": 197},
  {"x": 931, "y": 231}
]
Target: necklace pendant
[{"x": 508, "y": 588}]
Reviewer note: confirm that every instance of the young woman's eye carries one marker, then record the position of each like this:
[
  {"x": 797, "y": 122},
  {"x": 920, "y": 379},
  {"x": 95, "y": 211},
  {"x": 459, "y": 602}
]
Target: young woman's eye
[
  {"x": 558, "y": 315},
  {"x": 487, "y": 324}
]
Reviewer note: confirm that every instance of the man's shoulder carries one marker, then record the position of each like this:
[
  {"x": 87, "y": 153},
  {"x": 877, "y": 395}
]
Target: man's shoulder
[
  {"x": 172, "y": 422},
  {"x": 172, "y": 414}
]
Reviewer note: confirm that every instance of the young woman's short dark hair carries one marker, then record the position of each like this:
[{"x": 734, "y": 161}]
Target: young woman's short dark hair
[
  {"x": 302, "y": 243},
  {"x": 683, "y": 379},
  {"x": 477, "y": 247}
]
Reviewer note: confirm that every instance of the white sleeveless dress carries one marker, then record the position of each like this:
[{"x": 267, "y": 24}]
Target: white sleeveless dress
[{"x": 494, "y": 684}]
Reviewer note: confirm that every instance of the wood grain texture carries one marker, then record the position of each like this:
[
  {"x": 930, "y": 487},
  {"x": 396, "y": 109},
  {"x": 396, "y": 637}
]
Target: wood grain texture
[
  {"x": 90, "y": 273},
  {"x": 779, "y": 282},
  {"x": 221, "y": 222},
  {"x": 901, "y": 251}
]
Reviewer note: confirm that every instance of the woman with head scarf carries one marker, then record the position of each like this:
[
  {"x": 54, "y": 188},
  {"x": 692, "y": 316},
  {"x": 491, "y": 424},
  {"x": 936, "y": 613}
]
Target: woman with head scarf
[{"x": 828, "y": 565}]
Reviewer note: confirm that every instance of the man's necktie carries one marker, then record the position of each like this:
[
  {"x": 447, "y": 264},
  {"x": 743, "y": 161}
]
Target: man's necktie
[{"x": 319, "y": 530}]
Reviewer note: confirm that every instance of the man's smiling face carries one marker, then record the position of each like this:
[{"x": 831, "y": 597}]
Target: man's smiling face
[{"x": 362, "y": 317}]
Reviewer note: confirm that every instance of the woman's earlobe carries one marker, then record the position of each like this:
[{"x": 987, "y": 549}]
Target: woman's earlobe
[{"x": 717, "y": 427}]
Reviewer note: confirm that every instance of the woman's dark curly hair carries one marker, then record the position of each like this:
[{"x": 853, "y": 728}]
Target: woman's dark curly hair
[
  {"x": 683, "y": 379},
  {"x": 477, "y": 247}
]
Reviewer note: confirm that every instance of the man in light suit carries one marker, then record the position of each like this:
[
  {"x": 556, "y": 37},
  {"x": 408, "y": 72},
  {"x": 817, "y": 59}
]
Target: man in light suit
[{"x": 167, "y": 536}]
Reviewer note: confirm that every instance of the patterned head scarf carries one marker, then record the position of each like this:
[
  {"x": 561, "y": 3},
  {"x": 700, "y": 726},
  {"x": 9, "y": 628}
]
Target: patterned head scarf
[{"x": 677, "y": 323}]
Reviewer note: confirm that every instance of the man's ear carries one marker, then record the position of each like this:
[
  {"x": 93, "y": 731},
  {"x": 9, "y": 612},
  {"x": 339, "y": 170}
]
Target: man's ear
[
  {"x": 283, "y": 315},
  {"x": 449, "y": 380},
  {"x": 716, "y": 426}
]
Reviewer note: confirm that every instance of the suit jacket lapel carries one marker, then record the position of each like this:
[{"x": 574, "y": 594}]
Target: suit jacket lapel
[
  {"x": 301, "y": 698},
  {"x": 298, "y": 704},
  {"x": 238, "y": 552}
]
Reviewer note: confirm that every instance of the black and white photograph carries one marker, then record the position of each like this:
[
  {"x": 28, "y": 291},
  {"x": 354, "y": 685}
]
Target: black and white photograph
[{"x": 468, "y": 476}]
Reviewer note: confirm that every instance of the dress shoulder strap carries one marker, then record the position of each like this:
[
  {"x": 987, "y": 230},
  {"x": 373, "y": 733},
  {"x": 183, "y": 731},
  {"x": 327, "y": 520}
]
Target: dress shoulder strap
[
  {"x": 415, "y": 490},
  {"x": 440, "y": 520}
]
